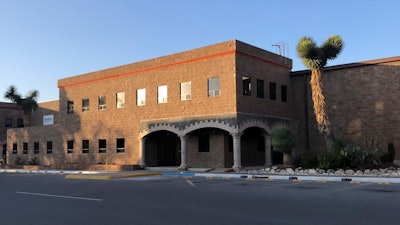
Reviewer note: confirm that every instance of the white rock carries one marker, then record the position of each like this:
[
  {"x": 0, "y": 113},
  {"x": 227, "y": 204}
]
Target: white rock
[
  {"x": 312, "y": 171},
  {"x": 339, "y": 172},
  {"x": 289, "y": 171},
  {"x": 349, "y": 172}
]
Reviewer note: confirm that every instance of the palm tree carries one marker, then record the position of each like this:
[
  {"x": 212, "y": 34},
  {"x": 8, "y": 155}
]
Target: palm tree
[
  {"x": 315, "y": 58},
  {"x": 28, "y": 104}
]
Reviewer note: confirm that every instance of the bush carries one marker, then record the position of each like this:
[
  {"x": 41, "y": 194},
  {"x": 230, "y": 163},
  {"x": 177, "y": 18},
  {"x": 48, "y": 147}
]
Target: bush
[
  {"x": 34, "y": 161},
  {"x": 282, "y": 140},
  {"x": 361, "y": 159},
  {"x": 321, "y": 159},
  {"x": 19, "y": 161}
]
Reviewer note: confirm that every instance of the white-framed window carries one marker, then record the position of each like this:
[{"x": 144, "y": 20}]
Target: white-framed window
[
  {"x": 120, "y": 145},
  {"x": 85, "y": 146},
  {"x": 141, "y": 97},
  {"x": 70, "y": 146},
  {"x": 162, "y": 94},
  {"x": 120, "y": 100},
  {"x": 213, "y": 86},
  {"x": 246, "y": 85},
  {"x": 85, "y": 105},
  {"x": 102, "y": 102},
  {"x": 102, "y": 145},
  {"x": 186, "y": 91},
  {"x": 70, "y": 107}
]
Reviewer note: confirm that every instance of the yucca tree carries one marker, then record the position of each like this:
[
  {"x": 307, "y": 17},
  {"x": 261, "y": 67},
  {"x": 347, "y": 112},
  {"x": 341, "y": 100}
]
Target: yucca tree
[
  {"x": 28, "y": 104},
  {"x": 315, "y": 58}
]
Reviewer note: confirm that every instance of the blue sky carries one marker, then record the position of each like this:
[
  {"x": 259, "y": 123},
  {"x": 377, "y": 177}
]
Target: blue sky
[{"x": 42, "y": 41}]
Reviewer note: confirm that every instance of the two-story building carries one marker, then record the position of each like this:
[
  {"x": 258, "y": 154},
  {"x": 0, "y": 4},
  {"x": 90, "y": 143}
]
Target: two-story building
[
  {"x": 209, "y": 107},
  {"x": 213, "y": 106}
]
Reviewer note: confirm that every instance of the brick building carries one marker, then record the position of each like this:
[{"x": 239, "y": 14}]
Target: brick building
[
  {"x": 362, "y": 103},
  {"x": 213, "y": 106}
]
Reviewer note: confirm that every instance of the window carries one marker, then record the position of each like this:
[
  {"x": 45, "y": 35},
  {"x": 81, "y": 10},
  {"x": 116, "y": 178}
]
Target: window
[
  {"x": 15, "y": 148},
  {"x": 49, "y": 147},
  {"x": 70, "y": 146},
  {"x": 120, "y": 145},
  {"x": 213, "y": 87},
  {"x": 85, "y": 146},
  {"x": 272, "y": 91},
  {"x": 85, "y": 105},
  {"x": 102, "y": 145},
  {"x": 20, "y": 122},
  {"x": 260, "y": 88},
  {"x": 246, "y": 85},
  {"x": 70, "y": 107},
  {"x": 8, "y": 122},
  {"x": 284, "y": 93},
  {"x": 162, "y": 94},
  {"x": 186, "y": 91},
  {"x": 141, "y": 97},
  {"x": 204, "y": 143},
  {"x": 102, "y": 102},
  {"x": 25, "y": 148},
  {"x": 120, "y": 100},
  {"x": 35, "y": 147}
]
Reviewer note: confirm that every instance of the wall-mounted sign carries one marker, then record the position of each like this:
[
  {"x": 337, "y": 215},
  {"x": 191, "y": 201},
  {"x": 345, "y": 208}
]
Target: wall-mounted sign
[{"x": 48, "y": 119}]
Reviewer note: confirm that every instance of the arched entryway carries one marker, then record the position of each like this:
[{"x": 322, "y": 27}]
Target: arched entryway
[
  {"x": 210, "y": 147},
  {"x": 253, "y": 147},
  {"x": 162, "y": 149}
]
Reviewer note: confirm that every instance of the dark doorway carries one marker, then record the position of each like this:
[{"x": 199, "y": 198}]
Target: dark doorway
[
  {"x": 277, "y": 158},
  {"x": 4, "y": 155},
  {"x": 163, "y": 149}
]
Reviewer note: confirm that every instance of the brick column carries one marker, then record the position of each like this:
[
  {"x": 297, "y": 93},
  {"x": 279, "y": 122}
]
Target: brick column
[
  {"x": 183, "y": 165},
  {"x": 237, "y": 157},
  {"x": 268, "y": 150},
  {"x": 143, "y": 152}
]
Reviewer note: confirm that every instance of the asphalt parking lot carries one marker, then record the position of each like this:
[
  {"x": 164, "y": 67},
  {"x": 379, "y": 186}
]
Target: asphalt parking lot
[{"x": 52, "y": 199}]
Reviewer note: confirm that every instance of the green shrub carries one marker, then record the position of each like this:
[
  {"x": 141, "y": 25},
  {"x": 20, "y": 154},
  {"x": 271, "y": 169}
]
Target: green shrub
[
  {"x": 282, "y": 139},
  {"x": 361, "y": 159},
  {"x": 34, "y": 161},
  {"x": 19, "y": 161},
  {"x": 322, "y": 160}
]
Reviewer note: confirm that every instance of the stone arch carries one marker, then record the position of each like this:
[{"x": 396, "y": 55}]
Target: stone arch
[
  {"x": 255, "y": 123},
  {"x": 209, "y": 124},
  {"x": 160, "y": 127}
]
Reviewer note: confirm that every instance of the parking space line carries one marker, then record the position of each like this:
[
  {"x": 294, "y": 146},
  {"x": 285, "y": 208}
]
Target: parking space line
[
  {"x": 353, "y": 186},
  {"x": 190, "y": 182},
  {"x": 58, "y": 196}
]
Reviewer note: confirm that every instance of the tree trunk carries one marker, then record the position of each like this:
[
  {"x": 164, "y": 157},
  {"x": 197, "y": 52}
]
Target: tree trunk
[
  {"x": 287, "y": 159},
  {"x": 318, "y": 97},
  {"x": 27, "y": 119}
]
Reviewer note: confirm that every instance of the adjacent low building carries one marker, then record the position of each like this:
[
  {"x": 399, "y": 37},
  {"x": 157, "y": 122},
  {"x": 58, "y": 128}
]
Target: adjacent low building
[{"x": 214, "y": 106}]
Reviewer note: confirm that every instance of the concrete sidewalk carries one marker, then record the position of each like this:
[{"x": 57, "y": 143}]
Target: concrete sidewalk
[{"x": 203, "y": 172}]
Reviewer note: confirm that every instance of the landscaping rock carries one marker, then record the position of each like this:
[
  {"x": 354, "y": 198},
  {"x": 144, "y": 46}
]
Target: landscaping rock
[{"x": 349, "y": 172}]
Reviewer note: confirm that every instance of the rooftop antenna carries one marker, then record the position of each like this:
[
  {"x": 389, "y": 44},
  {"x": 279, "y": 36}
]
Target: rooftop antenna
[{"x": 282, "y": 49}]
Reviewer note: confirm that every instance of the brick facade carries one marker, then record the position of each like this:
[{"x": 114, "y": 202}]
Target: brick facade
[
  {"x": 164, "y": 123},
  {"x": 246, "y": 105},
  {"x": 362, "y": 103}
]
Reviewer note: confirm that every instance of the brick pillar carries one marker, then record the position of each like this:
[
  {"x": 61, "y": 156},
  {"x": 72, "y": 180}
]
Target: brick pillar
[
  {"x": 237, "y": 157},
  {"x": 268, "y": 150},
  {"x": 183, "y": 165},
  {"x": 143, "y": 152}
]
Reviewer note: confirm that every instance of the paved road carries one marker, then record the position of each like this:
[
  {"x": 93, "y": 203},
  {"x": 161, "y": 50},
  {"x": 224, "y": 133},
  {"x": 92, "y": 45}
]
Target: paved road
[{"x": 53, "y": 200}]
